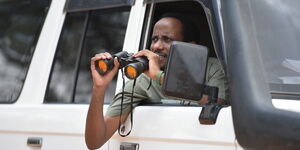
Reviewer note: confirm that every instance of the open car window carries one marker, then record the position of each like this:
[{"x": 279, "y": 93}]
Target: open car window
[{"x": 198, "y": 16}]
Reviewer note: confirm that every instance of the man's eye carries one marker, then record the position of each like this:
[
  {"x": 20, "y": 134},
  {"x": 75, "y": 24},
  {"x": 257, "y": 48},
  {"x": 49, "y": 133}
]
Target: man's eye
[
  {"x": 167, "y": 39},
  {"x": 154, "y": 39}
]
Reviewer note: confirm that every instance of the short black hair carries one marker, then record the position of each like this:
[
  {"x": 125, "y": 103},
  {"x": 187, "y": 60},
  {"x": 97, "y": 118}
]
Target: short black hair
[{"x": 189, "y": 30}]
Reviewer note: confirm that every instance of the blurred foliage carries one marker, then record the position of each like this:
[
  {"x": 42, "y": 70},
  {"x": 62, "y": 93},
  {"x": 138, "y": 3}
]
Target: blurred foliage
[
  {"x": 20, "y": 26},
  {"x": 104, "y": 31}
]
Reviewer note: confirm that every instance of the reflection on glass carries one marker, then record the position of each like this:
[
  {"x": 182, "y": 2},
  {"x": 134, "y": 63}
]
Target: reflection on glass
[
  {"x": 20, "y": 25},
  {"x": 63, "y": 74},
  {"x": 278, "y": 36},
  {"x": 105, "y": 32}
]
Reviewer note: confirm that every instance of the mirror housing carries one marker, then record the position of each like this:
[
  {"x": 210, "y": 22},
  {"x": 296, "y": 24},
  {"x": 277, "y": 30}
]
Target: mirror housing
[{"x": 185, "y": 71}]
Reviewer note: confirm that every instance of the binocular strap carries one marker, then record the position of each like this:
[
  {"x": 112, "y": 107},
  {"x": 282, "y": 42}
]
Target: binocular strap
[{"x": 131, "y": 108}]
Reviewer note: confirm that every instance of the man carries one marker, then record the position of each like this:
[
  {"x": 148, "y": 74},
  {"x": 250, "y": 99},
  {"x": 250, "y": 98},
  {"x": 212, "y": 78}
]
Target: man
[{"x": 171, "y": 27}]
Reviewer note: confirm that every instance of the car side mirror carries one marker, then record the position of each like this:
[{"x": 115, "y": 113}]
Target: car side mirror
[{"x": 185, "y": 71}]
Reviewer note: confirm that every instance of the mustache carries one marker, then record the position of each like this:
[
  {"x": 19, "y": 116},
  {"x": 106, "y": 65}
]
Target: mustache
[{"x": 160, "y": 53}]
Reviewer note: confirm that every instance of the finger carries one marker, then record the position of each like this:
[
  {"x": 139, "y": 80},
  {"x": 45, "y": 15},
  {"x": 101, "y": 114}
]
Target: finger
[
  {"x": 107, "y": 55},
  {"x": 93, "y": 59},
  {"x": 116, "y": 65},
  {"x": 103, "y": 56},
  {"x": 150, "y": 55},
  {"x": 99, "y": 56},
  {"x": 93, "y": 65},
  {"x": 142, "y": 53},
  {"x": 203, "y": 100}
]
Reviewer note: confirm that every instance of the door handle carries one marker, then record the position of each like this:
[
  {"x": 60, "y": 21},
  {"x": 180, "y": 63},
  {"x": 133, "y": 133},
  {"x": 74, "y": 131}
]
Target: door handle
[
  {"x": 35, "y": 141},
  {"x": 129, "y": 146}
]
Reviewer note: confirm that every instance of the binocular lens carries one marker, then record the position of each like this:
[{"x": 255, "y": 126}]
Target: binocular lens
[
  {"x": 131, "y": 72},
  {"x": 102, "y": 66}
]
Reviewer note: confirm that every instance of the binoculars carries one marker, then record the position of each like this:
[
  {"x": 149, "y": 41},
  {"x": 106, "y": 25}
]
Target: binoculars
[{"x": 134, "y": 66}]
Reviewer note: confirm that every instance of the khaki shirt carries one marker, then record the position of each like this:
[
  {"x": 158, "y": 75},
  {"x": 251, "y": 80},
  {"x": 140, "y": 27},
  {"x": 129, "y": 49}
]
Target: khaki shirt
[{"x": 215, "y": 76}]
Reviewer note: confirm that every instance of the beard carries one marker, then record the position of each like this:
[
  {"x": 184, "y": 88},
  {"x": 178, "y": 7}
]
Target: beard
[{"x": 163, "y": 57}]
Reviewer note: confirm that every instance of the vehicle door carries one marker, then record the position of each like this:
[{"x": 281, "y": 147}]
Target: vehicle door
[
  {"x": 21, "y": 24},
  {"x": 174, "y": 124},
  {"x": 46, "y": 48}
]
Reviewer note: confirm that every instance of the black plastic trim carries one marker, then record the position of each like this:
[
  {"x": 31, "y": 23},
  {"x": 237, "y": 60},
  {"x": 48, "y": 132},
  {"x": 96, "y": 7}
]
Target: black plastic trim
[
  {"x": 85, "y": 5},
  {"x": 160, "y": 1},
  {"x": 286, "y": 96},
  {"x": 79, "y": 55}
]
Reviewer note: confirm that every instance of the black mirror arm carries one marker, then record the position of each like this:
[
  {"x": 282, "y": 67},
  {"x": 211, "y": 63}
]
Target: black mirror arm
[{"x": 210, "y": 111}]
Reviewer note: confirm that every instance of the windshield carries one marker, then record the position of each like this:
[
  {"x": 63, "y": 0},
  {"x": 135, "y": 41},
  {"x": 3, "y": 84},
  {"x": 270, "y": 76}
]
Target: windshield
[{"x": 277, "y": 26}]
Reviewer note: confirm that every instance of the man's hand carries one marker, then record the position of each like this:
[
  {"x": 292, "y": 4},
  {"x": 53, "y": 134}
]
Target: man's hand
[
  {"x": 99, "y": 129},
  {"x": 204, "y": 100},
  {"x": 99, "y": 80},
  {"x": 153, "y": 58}
]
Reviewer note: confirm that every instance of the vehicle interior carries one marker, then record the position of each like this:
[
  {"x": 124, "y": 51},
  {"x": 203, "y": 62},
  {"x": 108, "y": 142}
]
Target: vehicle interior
[
  {"x": 189, "y": 8},
  {"x": 197, "y": 15}
]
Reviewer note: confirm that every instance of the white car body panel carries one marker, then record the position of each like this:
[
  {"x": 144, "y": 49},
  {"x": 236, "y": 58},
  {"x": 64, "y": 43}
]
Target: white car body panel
[{"x": 62, "y": 126}]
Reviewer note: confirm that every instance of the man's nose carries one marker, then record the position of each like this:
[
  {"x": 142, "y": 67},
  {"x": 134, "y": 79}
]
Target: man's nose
[{"x": 158, "y": 46}]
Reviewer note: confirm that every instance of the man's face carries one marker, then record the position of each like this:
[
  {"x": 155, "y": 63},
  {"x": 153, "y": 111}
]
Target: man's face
[{"x": 165, "y": 31}]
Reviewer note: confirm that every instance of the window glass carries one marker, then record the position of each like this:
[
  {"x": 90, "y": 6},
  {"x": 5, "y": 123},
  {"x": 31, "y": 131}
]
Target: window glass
[
  {"x": 103, "y": 34},
  {"x": 63, "y": 74},
  {"x": 20, "y": 25},
  {"x": 278, "y": 35},
  {"x": 84, "y": 35}
]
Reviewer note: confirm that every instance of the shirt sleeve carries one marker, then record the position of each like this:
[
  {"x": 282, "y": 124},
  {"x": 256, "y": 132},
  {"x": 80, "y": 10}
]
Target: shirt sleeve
[
  {"x": 139, "y": 95},
  {"x": 216, "y": 77}
]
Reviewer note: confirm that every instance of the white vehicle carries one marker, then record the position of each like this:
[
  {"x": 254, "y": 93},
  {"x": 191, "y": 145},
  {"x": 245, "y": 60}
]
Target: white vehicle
[{"x": 45, "y": 82}]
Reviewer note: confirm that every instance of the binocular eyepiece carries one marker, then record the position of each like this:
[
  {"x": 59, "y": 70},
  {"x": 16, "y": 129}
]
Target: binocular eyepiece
[{"x": 134, "y": 66}]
